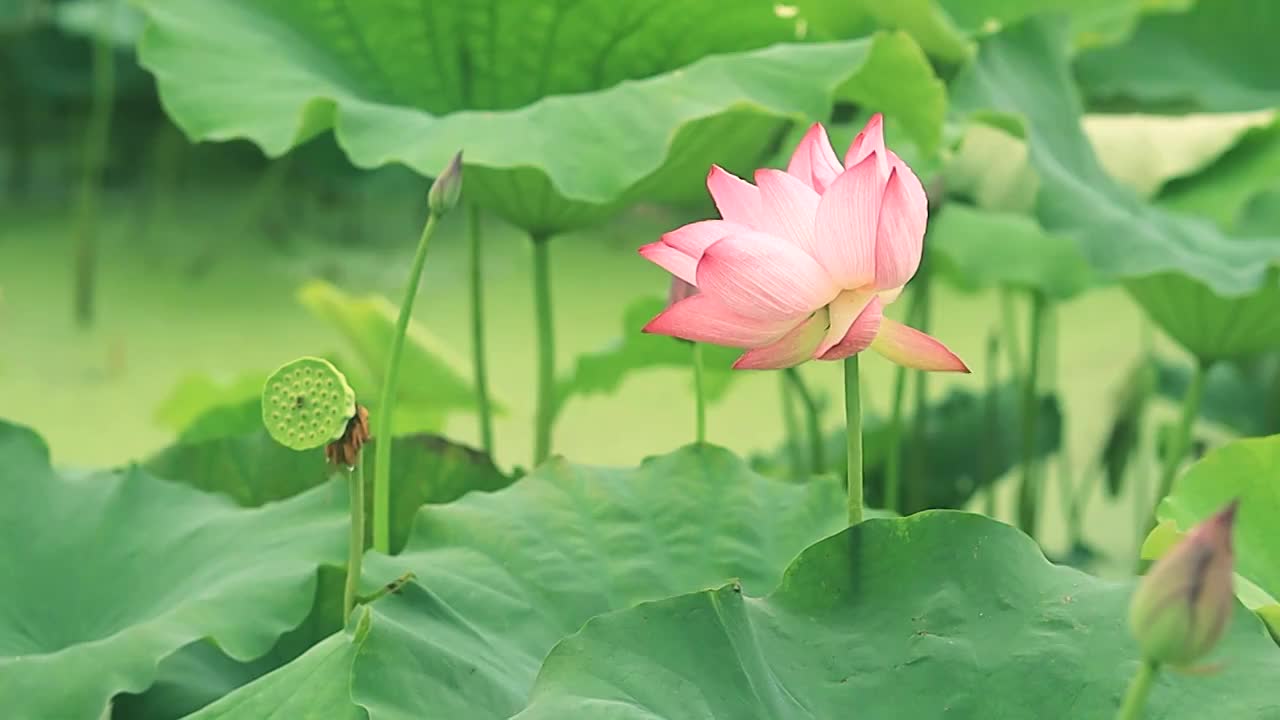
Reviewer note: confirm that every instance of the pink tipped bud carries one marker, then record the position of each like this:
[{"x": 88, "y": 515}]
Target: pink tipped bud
[
  {"x": 447, "y": 188},
  {"x": 680, "y": 290},
  {"x": 1183, "y": 605}
]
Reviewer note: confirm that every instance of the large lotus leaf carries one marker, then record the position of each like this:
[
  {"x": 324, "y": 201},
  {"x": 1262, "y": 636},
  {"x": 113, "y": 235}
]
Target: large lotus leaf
[
  {"x": 1250, "y": 471},
  {"x": 946, "y": 28},
  {"x": 201, "y": 672},
  {"x": 562, "y": 109},
  {"x": 1261, "y": 214},
  {"x": 990, "y": 167},
  {"x": 1209, "y": 326},
  {"x": 1243, "y": 395},
  {"x": 107, "y": 574},
  {"x": 1166, "y": 257},
  {"x": 316, "y": 686},
  {"x": 432, "y": 376},
  {"x": 114, "y": 21},
  {"x": 1224, "y": 189},
  {"x": 1024, "y": 71},
  {"x": 501, "y": 577},
  {"x": 253, "y": 469},
  {"x": 942, "y": 614},
  {"x": 1147, "y": 151},
  {"x": 980, "y": 249},
  {"x": 200, "y": 407},
  {"x": 603, "y": 371},
  {"x": 1218, "y": 56}
]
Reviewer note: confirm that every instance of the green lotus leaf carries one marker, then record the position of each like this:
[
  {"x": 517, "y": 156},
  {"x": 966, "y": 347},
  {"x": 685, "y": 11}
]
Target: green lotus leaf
[
  {"x": 115, "y": 21},
  {"x": 107, "y": 574},
  {"x": 253, "y": 470},
  {"x": 1243, "y": 396},
  {"x": 1260, "y": 215},
  {"x": 1024, "y": 71},
  {"x": 638, "y": 98},
  {"x": 942, "y": 614},
  {"x": 990, "y": 167},
  {"x": 201, "y": 672},
  {"x": 981, "y": 249},
  {"x": 501, "y": 577},
  {"x": 1146, "y": 152},
  {"x": 434, "y": 377},
  {"x": 1210, "y": 326},
  {"x": 1168, "y": 261},
  {"x": 1246, "y": 469},
  {"x": 604, "y": 371},
  {"x": 1217, "y": 56},
  {"x": 1224, "y": 190},
  {"x": 197, "y": 397},
  {"x": 316, "y": 685}
]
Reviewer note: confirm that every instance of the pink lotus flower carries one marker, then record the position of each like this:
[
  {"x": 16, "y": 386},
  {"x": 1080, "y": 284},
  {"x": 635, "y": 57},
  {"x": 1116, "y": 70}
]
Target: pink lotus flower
[{"x": 803, "y": 262}]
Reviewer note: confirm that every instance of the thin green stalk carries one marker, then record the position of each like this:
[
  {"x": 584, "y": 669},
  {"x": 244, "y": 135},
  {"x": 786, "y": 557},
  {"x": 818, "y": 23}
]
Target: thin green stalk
[
  {"x": 478, "y": 359},
  {"x": 1029, "y": 490},
  {"x": 918, "y": 470},
  {"x": 795, "y": 445},
  {"x": 813, "y": 420},
  {"x": 991, "y": 425},
  {"x": 1135, "y": 700},
  {"x": 17, "y": 106},
  {"x": 386, "y": 401},
  {"x": 355, "y": 546},
  {"x": 1009, "y": 320},
  {"x": 97, "y": 137},
  {"x": 1181, "y": 439},
  {"x": 546, "y": 410},
  {"x": 700, "y": 398},
  {"x": 1064, "y": 474},
  {"x": 853, "y": 433},
  {"x": 893, "y": 453}
]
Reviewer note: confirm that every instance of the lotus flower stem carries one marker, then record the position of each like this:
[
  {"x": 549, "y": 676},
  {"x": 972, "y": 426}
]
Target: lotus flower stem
[
  {"x": 483, "y": 407},
  {"x": 355, "y": 546},
  {"x": 1135, "y": 699},
  {"x": 97, "y": 137},
  {"x": 813, "y": 421},
  {"x": 387, "y": 399},
  {"x": 546, "y": 410},
  {"x": 700, "y": 397},
  {"x": 853, "y": 431},
  {"x": 991, "y": 422},
  {"x": 1029, "y": 489},
  {"x": 1181, "y": 439}
]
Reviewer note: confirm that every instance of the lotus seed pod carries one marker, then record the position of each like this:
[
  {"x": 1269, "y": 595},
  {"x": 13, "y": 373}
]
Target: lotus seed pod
[
  {"x": 307, "y": 403},
  {"x": 1183, "y": 605}
]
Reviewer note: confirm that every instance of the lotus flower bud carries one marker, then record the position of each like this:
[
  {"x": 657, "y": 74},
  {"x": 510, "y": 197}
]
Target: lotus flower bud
[
  {"x": 445, "y": 191},
  {"x": 1184, "y": 603}
]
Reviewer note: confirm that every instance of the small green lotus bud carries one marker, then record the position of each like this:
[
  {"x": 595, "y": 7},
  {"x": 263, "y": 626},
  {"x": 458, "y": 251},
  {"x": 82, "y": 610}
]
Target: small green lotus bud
[
  {"x": 307, "y": 403},
  {"x": 1183, "y": 605},
  {"x": 446, "y": 189}
]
